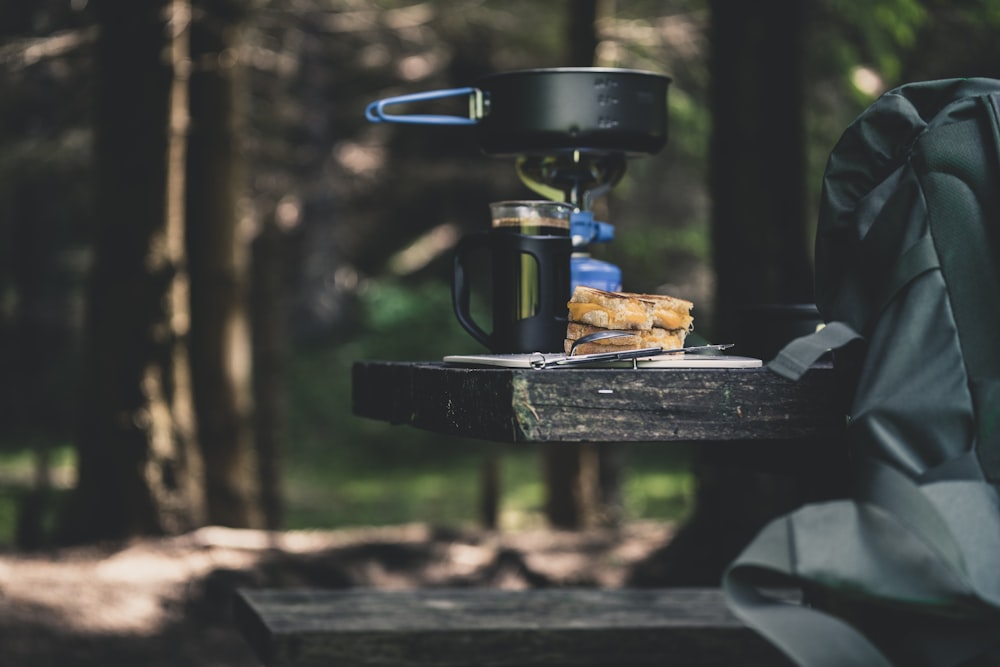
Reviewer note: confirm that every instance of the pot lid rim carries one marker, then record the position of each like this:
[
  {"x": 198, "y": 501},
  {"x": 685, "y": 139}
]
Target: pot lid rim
[{"x": 580, "y": 70}]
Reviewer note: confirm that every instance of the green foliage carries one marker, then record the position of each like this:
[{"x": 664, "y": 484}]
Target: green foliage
[
  {"x": 874, "y": 32},
  {"x": 690, "y": 125},
  {"x": 652, "y": 256},
  {"x": 18, "y": 487},
  {"x": 443, "y": 488},
  {"x": 661, "y": 493},
  {"x": 413, "y": 321},
  {"x": 650, "y": 245},
  {"x": 336, "y": 486}
]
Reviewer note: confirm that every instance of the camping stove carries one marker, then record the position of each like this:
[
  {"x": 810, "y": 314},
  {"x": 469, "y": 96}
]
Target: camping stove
[
  {"x": 579, "y": 178},
  {"x": 570, "y": 130}
]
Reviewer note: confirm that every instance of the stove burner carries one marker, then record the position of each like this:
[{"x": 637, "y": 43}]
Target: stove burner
[{"x": 576, "y": 177}]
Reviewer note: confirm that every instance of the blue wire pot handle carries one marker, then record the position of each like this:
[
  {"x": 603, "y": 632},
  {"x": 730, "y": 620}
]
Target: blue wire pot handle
[{"x": 375, "y": 112}]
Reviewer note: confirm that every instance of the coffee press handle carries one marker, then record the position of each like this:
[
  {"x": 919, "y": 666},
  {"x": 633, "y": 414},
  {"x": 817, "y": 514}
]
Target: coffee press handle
[
  {"x": 375, "y": 112},
  {"x": 552, "y": 253},
  {"x": 460, "y": 286}
]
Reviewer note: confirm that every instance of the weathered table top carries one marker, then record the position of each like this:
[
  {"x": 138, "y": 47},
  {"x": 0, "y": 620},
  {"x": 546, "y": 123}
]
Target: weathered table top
[{"x": 599, "y": 405}]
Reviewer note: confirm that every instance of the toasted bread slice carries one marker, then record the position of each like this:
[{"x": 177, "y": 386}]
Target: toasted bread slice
[
  {"x": 655, "y": 337},
  {"x": 626, "y": 310}
]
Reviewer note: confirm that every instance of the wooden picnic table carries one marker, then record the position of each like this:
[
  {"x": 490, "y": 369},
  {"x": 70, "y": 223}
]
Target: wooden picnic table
[
  {"x": 752, "y": 414},
  {"x": 711, "y": 405}
]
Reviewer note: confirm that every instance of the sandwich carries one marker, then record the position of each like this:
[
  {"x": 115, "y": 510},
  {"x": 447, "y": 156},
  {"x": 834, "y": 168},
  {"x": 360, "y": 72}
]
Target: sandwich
[{"x": 652, "y": 320}]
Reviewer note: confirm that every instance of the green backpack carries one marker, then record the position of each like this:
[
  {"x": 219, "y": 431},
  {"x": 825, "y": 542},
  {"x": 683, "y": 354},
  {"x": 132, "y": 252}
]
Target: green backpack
[{"x": 907, "y": 570}]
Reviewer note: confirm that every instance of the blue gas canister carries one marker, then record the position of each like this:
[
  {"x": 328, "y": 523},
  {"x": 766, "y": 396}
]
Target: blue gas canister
[
  {"x": 590, "y": 272},
  {"x": 584, "y": 269}
]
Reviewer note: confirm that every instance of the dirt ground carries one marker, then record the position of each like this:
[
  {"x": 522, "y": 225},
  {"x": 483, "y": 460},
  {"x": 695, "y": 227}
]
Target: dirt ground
[{"x": 159, "y": 602}]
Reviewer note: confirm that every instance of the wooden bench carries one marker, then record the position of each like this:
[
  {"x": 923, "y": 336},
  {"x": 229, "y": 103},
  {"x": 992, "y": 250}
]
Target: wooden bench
[{"x": 494, "y": 628}]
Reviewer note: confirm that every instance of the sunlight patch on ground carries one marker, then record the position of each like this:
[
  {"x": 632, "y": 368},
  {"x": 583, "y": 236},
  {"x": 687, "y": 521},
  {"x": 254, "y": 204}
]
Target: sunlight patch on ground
[{"x": 142, "y": 588}]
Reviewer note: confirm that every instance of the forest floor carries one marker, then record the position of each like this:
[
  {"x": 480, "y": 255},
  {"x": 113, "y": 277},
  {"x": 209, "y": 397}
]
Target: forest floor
[{"x": 167, "y": 601}]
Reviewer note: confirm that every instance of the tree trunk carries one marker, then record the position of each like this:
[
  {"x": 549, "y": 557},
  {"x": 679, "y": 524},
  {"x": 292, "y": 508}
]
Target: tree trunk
[
  {"x": 758, "y": 158},
  {"x": 139, "y": 467},
  {"x": 569, "y": 501},
  {"x": 24, "y": 361},
  {"x": 217, "y": 259},
  {"x": 570, "y": 484},
  {"x": 583, "y": 481},
  {"x": 759, "y": 234},
  {"x": 269, "y": 314}
]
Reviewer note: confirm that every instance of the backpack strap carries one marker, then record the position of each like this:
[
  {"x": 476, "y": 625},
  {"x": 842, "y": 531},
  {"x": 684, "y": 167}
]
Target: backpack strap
[
  {"x": 785, "y": 553},
  {"x": 806, "y": 635},
  {"x": 798, "y": 356}
]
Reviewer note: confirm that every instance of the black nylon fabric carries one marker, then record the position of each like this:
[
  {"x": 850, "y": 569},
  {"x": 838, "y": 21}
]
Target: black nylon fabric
[
  {"x": 889, "y": 394},
  {"x": 907, "y": 570}
]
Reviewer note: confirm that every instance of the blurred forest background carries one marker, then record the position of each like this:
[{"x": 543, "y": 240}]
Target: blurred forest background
[{"x": 200, "y": 232}]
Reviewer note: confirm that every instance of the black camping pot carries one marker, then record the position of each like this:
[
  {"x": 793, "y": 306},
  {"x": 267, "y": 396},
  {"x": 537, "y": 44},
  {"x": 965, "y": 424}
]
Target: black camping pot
[{"x": 541, "y": 111}]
